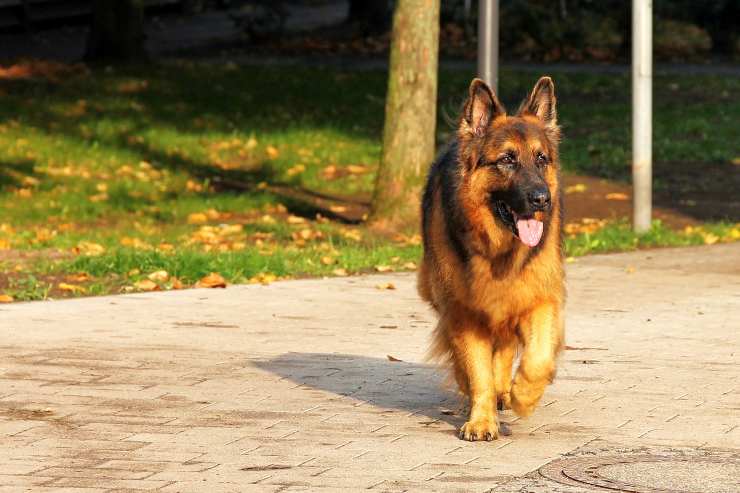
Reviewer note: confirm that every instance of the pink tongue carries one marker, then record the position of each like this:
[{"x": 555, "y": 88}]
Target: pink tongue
[{"x": 530, "y": 231}]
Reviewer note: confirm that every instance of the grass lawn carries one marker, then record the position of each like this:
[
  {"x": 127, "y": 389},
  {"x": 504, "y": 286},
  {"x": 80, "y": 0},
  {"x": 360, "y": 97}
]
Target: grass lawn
[{"x": 153, "y": 177}]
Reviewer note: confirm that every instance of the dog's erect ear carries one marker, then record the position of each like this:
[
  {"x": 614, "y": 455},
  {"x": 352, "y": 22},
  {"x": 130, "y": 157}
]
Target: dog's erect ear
[
  {"x": 481, "y": 108},
  {"x": 541, "y": 102}
]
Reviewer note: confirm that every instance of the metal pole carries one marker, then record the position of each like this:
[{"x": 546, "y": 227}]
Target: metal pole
[
  {"x": 488, "y": 42},
  {"x": 642, "y": 113}
]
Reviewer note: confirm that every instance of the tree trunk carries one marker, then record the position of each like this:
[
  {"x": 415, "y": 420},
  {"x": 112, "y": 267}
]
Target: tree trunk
[
  {"x": 410, "y": 115},
  {"x": 116, "y": 31}
]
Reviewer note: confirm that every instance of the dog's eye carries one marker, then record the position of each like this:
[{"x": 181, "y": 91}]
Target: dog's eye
[
  {"x": 507, "y": 162},
  {"x": 541, "y": 159}
]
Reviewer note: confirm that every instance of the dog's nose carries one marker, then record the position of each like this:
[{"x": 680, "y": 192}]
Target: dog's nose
[{"x": 539, "y": 199}]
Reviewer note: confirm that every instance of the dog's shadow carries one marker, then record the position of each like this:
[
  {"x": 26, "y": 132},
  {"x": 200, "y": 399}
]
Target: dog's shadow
[{"x": 385, "y": 383}]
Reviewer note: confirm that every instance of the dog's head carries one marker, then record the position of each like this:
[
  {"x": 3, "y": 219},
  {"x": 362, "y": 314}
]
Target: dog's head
[{"x": 509, "y": 164}]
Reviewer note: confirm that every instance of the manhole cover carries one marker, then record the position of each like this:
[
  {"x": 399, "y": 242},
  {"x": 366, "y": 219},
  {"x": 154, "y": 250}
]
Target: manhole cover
[{"x": 648, "y": 473}]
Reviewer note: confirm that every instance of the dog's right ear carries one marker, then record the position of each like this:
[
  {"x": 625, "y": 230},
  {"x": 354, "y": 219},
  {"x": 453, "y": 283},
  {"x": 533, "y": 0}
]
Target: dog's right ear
[{"x": 481, "y": 108}]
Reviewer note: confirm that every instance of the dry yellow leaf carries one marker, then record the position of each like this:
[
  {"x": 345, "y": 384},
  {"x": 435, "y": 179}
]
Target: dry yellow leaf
[
  {"x": 339, "y": 272},
  {"x": 81, "y": 277},
  {"x": 263, "y": 278},
  {"x": 385, "y": 285},
  {"x": 617, "y": 196},
  {"x": 4, "y": 244},
  {"x": 296, "y": 170},
  {"x": 710, "y": 239},
  {"x": 296, "y": 219},
  {"x": 327, "y": 260},
  {"x": 383, "y": 268},
  {"x": 89, "y": 248},
  {"x": 71, "y": 288},
  {"x": 337, "y": 208},
  {"x": 356, "y": 169},
  {"x": 146, "y": 285},
  {"x": 197, "y": 218},
  {"x": 272, "y": 152},
  {"x": 409, "y": 265},
  {"x": 630, "y": 269},
  {"x": 159, "y": 276},
  {"x": 577, "y": 188},
  {"x": 133, "y": 272},
  {"x": 6, "y": 298},
  {"x": 177, "y": 283},
  {"x": 212, "y": 280}
]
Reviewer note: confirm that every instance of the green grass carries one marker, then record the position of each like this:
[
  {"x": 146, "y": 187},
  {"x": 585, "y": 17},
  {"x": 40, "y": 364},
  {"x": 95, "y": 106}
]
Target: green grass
[{"x": 123, "y": 157}]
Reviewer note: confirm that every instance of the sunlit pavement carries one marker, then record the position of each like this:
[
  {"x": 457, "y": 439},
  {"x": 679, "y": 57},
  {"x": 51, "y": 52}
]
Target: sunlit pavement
[{"x": 289, "y": 387}]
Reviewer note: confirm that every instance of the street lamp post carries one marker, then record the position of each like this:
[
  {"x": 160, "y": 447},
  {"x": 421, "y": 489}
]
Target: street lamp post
[
  {"x": 488, "y": 42},
  {"x": 642, "y": 113}
]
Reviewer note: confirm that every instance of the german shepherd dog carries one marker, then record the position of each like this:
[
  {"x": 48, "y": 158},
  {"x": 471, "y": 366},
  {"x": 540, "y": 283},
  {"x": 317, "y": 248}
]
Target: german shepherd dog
[{"x": 492, "y": 266}]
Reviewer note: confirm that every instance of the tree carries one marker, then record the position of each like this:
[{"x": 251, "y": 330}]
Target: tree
[
  {"x": 410, "y": 115},
  {"x": 116, "y": 31}
]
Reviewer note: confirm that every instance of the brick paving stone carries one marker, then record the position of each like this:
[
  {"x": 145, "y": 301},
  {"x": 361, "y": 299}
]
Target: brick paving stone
[{"x": 289, "y": 387}]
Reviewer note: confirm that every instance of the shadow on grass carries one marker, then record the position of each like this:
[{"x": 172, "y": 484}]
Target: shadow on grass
[
  {"x": 395, "y": 385},
  {"x": 12, "y": 173},
  {"x": 204, "y": 103}
]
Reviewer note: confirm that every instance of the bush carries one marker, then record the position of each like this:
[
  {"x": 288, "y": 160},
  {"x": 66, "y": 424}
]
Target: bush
[{"x": 680, "y": 41}]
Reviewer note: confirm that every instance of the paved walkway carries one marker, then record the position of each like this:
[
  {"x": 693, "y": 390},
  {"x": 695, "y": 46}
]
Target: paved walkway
[{"x": 289, "y": 387}]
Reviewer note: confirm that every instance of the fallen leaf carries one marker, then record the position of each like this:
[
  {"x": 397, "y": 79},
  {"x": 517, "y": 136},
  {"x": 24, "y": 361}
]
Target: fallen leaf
[
  {"x": 89, "y": 248},
  {"x": 328, "y": 260},
  {"x": 391, "y": 358},
  {"x": 386, "y": 285},
  {"x": 159, "y": 276},
  {"x": 630, "y": 269},
  {"x": 272, "y": 152},
  {"x": 212, "y": 280},
  {"x": 146, "y": 285},
  {"x": 6, "y": 298},
  {"x": 197, "y": 218},
  {"x": 409, "y": 266},
  {"x": 710, "y": 239},
  {"x": 577, "y": 188},
  {"x": 296, "y": 220},
  {"x": 296, "y": 170},
  {"x": 263, "y": 278},
  {"x": 617, "y": 196},
  {"x": 71, "y": 288},
  {"x": 736, "y": 161},
  {"x": 357, "y": 169},
  {"x": 338, "y": 208},
  {"x": 81, "y": 277},
  {"x": 177, "y": 284},
  {"x": 339, "y": 272},
  {"x": 383, "y": 268}
]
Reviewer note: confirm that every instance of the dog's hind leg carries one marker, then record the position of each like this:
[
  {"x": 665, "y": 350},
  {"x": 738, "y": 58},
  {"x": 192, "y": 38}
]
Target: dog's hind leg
[
  {"x": 503, "y": 360},
  {"x": 541, "y": 333},
  {"x": 472, "y": 351}
]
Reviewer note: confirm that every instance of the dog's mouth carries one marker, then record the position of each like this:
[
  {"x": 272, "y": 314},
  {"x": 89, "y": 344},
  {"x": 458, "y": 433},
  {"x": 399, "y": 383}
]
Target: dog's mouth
[{"x": 527, "y": 229}]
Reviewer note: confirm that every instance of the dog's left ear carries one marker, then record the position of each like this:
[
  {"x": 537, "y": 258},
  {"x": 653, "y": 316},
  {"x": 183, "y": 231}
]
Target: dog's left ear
[{"x": 541, "y": 103}]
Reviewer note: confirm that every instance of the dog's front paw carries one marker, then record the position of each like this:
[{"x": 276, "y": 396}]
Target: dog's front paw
[{"x": 480, "y": 429}]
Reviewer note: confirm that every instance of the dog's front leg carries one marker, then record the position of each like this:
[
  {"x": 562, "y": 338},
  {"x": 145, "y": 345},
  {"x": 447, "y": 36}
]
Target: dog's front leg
[
  {"x": 541, "y": 333},
  {"x": 472, "y": 352}
]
